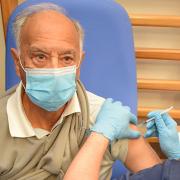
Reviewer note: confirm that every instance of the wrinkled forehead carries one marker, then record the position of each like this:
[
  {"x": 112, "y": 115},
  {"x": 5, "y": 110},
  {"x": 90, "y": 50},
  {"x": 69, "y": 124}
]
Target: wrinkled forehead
[{"x": 51, "y": 25}]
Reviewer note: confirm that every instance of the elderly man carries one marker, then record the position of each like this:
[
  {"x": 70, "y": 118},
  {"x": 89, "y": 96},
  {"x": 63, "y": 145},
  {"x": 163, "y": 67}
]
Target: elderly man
[{"x": 43, "y": 120}]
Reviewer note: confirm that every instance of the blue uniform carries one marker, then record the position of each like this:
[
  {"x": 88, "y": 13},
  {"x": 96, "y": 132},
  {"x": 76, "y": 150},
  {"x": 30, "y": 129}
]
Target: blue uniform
[{"x": 169, "y": 170}]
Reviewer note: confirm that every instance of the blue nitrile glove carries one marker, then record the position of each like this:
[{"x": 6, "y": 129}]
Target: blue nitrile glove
[
  {"x": 113, "y": 121},
  {"x": 167, "y": 133},
  {"x": 151, "y": 129}
]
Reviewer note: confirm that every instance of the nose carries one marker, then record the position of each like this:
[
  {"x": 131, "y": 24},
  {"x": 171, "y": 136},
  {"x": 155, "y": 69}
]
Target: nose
[{"x": 54, "y": 62}]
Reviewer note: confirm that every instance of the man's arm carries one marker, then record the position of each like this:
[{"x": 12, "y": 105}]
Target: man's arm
[
  {"x": 86, "y": 164},
  {"x": 140, "y": 154},
  {"x": 107, "y": 127}
]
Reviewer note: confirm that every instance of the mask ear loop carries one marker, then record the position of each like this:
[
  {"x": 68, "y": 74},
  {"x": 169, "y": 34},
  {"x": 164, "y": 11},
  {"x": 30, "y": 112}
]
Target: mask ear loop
[
  {"x": 21, "y": 65},
  {"x": 23, "y": 70},
  {"x": 79, "y": 60},
  {"x": 77, "y": 66}
]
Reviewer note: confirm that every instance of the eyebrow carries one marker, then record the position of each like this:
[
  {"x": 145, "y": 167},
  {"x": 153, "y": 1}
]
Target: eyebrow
[
  {"x": 36, "y": 49},
  {"x": 46, "y": 51},
  {"x": 67, "y": 52}
]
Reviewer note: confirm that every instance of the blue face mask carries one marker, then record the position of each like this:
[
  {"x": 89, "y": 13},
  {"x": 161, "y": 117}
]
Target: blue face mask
[{"x": 51, "y": 88}]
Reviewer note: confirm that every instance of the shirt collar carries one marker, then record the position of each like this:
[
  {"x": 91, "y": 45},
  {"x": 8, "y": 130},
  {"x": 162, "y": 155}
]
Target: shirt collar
[{"x": 20, "y": 126}]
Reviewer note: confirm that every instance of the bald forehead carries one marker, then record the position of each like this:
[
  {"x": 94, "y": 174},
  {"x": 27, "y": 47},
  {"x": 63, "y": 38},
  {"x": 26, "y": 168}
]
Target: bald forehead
[
  {"x": 50, "y": 16},
  {"x": 50, "y": 24}
]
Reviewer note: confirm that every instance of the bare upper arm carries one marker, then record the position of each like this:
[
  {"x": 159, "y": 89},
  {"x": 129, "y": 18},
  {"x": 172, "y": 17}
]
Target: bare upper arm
[{"x": 140, "y": 154}]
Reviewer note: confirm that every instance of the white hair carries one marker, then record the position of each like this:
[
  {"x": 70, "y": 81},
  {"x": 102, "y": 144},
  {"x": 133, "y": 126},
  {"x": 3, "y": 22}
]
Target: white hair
[{"x": 33, "y": 9}]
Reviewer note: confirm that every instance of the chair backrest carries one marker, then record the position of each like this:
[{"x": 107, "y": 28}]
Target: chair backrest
[{"x": 109, "y": 68}]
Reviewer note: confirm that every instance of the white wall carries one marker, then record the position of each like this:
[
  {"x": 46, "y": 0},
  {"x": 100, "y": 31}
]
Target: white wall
[
  {"x": 156, "y": 37},
  {"x": 158, "y": 7}
]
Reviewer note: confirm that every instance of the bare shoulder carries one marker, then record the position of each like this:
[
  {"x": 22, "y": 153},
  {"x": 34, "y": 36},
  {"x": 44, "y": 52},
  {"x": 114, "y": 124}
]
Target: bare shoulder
[{"x": 140, "y": 154}]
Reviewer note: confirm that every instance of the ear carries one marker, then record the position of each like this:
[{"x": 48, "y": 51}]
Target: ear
[
  {"x": 15, "y": 56},
  {"x": 81, "y": 60},
  {"x": 82, "y": 57}
]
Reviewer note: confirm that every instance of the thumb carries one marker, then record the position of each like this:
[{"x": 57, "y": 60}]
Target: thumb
[
  {"x": 133, "y": 119},
  {"x": 132, "y": 134}
]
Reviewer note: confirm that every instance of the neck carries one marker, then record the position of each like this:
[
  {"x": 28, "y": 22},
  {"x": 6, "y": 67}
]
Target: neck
[{"x": 38, "y": 117}]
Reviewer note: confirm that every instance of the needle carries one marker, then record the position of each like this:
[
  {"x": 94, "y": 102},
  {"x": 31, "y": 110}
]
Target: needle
[{"x": 162, "y": 112}]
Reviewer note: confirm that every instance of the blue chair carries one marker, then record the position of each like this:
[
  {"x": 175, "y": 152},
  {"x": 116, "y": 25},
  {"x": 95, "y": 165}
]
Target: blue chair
[{"x": 109, "y": 68}]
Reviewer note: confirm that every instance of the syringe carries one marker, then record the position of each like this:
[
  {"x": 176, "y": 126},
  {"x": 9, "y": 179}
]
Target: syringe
[{"x": 162, "y": 112}]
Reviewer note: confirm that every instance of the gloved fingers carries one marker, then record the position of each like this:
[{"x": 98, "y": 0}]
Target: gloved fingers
[
  {"x": 108, "y": 101},
  {"x": 133, "y": 119},
  {"x": 162, "y": 121},
  {"x": 150, "y": 124},
  {"x": 132, "y": 134},
  {"x": 161, "y": 126},
  {"x": 127, "y": 108},
  {"x": 155, "y": 133},
  {"x": 150, "y": 132},
  {"x": 168, "y": 120},
  {"x": 153, "y": 113},
  {"x": 117, "y": 103}
]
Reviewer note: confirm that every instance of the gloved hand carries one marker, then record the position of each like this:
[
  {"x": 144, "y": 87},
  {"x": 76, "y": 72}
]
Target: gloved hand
[
  {"x": 165, "y": 128},
  {"x": 113, "y": 121}
]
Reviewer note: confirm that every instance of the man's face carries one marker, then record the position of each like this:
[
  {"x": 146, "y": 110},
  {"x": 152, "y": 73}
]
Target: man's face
[{"x": 48, "y": 40}]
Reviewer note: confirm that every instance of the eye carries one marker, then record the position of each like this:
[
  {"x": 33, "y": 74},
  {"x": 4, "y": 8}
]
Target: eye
[
  {"x": 40, "y": 57},
  {"x": 68, "y": 60}
]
